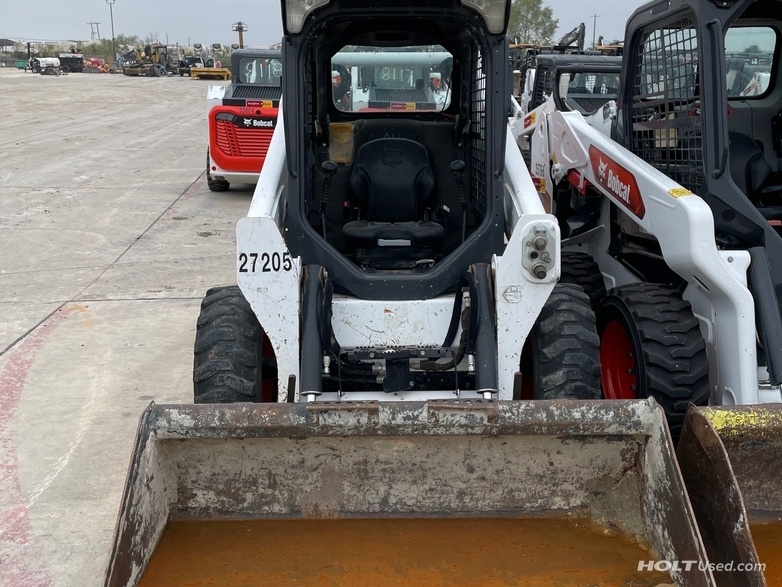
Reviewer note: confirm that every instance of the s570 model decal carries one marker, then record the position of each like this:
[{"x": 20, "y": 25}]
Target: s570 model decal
[
  {"x": 261, "y": 103},
  {"x": 265, "y": 262},
  {"x": 617, "y": 180}
]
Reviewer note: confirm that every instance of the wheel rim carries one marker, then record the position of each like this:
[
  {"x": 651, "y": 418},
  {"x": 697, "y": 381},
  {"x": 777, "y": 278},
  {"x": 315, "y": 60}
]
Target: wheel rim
[{"x": 617, "y": 360}]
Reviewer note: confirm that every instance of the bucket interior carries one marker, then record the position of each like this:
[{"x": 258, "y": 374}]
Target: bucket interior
[{"x": 606, "y": 467}]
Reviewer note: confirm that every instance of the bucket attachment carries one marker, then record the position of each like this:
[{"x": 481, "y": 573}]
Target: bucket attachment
[
  {"x": 610, "y": 463},
  {"x": 730, "y": 462}
]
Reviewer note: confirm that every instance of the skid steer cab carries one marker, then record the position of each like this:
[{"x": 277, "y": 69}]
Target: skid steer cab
[
  {"x": 395, "y": 247},
  {"x": 679, "y": 205},
  {"x": 242, "y": 117},
  {"x": 578, "y": 82},
  {"x": 530, "y": 90}
]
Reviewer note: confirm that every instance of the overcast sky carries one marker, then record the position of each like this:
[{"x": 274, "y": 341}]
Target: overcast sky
[{"x": 209, "y": 21}]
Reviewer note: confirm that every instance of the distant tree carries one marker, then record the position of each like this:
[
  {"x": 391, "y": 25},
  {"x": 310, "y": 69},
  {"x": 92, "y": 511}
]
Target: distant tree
[
  {"x": 103, "y": 48},
  {"x": 129, "y": 40},
  {"x": 752, "y": 49},
  {"x": 532, "y": 22},
  {"x": 46, "y": 50}
]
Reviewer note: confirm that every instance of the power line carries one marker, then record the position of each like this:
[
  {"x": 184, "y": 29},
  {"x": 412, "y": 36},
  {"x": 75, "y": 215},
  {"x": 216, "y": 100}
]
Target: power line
[
  {"x": 94, "y": 30},
  {"x": 240, "y": 27}
]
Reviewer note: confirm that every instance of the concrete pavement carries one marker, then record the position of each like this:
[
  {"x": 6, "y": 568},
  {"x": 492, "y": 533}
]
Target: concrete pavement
[{"x": 109, "y": 238}]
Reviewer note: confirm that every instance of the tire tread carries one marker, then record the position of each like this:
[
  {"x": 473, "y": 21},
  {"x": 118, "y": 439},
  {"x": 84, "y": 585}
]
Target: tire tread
[
  {"x": 675, "y": 363},
  {"x": 227, "y": 359},
  {"x": 566, "y": 347}
]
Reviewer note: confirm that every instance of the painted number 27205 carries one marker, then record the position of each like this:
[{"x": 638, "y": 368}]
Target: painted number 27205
[{"x": 265, "y": 262}]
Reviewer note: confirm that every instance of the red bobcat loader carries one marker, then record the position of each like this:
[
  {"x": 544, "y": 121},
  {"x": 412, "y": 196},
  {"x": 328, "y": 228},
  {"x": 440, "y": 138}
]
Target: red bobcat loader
[{"x": 242, "y": 117}]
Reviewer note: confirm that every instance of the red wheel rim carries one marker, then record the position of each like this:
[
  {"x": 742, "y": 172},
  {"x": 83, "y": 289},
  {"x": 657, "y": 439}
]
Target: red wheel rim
[{"x": 617, "y": 361}]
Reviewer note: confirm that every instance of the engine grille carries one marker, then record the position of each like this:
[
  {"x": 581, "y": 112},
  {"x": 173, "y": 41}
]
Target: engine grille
[
  {"x": 398, "y": 95},
  {"x": 256, "y": 92},
  {"x": 588, "y": 105},
  {"x": 242, "y": 142}
]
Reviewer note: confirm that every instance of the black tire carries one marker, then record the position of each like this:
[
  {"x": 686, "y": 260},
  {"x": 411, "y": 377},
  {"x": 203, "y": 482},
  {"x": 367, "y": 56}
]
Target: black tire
[
  {"x": 563, "y": 350},
  {"x": 215, "y": 185},
  {"x": 65, "y": 69},
  {"x": 651, "y": 345},
  {"x": 581, "y": 269},
  {"x": 229, "y": 364}
]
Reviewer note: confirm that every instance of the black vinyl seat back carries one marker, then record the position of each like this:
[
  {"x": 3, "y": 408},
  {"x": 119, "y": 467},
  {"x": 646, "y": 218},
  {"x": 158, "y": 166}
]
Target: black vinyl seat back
[
  {"x": 393, "y": 186},
  {"x": 748, "y": 167},
  {"x": 392, "y": 180},
  {"x": 753, "y": 174}
]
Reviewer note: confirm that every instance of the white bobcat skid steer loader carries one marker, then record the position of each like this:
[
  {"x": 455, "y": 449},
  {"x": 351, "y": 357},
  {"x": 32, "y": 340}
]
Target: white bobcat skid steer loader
[
  {"x": 679, "y": 211},
  {"x": 395, "y": 249},
  {"x": 565, "y": 81}
]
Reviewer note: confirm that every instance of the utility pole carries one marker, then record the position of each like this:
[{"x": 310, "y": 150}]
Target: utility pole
[
  {"x": 594, "y": 28},
  {"x": 113, "y": 46},
  {"x": 94, "y": 30},
  {"x": 240, "y": 27}
]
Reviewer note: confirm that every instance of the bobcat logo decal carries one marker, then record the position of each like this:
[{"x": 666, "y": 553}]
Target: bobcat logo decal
[
  {"x": 617, "y": 181},
  {"x": 601, "y": 169},
  {"x": 392, "y": 157}
]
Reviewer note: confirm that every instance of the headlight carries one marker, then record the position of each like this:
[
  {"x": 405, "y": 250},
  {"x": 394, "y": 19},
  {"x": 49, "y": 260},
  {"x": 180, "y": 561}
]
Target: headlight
[
  {"x": 296, "y": 12},
  {"x": 492, "y": 11}
]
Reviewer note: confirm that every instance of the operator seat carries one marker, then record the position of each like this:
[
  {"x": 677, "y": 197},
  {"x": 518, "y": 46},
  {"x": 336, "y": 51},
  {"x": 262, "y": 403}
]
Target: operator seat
[
  {"x": 753, "y": 174},
  {"x": 392, "y": 185}
]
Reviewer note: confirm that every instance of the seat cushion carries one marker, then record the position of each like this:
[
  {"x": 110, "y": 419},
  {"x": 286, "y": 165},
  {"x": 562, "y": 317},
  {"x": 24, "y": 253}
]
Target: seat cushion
[{"x": 361, "y": 233}]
